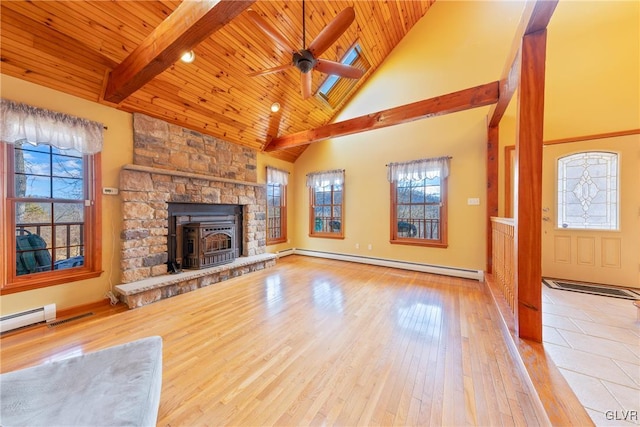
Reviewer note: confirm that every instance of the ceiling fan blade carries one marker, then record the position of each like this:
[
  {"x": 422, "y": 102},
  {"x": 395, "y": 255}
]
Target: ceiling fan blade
[
  {"x": 270, "y": 31},
  {"x": 332, "y": 31},
  {"x": 338, "y": 69},
  {"x": 271, "y": 70},
  {"x": 305, "y": 79}
]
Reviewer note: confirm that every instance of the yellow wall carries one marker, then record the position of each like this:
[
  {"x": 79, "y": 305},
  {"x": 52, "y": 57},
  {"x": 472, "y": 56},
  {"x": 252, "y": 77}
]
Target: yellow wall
[
  {"x": 118, "y": 150},
  {"x": 593, "y": 68},
  {"x": 456, "y": 46}
]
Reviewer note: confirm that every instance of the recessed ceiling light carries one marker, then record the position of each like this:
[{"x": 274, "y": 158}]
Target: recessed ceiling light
[
  {"x": 188, "y": 57},
  {"x": 275, "y": 107}
]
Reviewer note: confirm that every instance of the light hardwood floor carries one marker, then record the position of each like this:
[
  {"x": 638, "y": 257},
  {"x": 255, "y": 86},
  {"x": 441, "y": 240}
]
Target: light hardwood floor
[{"x": 315, "y": 342}]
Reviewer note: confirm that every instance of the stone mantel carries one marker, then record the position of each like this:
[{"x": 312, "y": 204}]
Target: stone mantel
[{"x": 160, "y": 171}]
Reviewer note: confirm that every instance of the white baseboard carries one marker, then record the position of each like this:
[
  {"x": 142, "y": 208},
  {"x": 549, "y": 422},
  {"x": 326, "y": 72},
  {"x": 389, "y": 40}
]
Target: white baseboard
[
  {"x": 405, "y": 265},
  {"x": 285, "y": 252}
]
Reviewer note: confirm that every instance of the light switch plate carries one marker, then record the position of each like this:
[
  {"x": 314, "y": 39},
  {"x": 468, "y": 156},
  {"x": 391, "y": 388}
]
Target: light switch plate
[{"x": 473, "y": 201}]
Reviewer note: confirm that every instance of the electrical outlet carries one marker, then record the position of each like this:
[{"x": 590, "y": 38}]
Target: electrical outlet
[
  {"x": 357, "y": 245},
  {"x": 110, "y": 191},
  {"x": 370, "y": 246}
]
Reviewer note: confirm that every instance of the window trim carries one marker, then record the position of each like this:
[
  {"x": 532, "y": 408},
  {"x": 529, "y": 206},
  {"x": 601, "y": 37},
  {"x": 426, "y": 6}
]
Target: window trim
[
  {"x": 394, "y": 239},
  {"x": 93, "y": 233},
  {"x": 326, "y": 235},
  {"x": 283, "y": 215}
]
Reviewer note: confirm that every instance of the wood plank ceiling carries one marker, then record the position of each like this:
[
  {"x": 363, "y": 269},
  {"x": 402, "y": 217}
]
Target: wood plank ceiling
[{"x": 72, "y": 46}]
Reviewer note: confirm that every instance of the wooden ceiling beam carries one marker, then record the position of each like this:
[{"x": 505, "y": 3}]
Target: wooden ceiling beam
[
  {"x": 535, "y": 17},
  {"x": 457, "y": 101},
  {"x": 189, "y": 24}
]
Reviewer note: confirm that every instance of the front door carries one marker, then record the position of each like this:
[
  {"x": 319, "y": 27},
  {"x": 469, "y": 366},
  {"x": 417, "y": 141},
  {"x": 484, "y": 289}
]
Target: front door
[{"x": 608, "y": 253}]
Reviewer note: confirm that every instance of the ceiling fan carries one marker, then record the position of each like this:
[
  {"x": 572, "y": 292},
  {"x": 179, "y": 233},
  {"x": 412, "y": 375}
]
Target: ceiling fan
[{"x": 306, "y": 59}]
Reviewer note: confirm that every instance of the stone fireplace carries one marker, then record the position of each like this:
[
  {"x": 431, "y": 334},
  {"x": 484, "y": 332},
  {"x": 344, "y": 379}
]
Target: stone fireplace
[{"x": 182, "y": 183}]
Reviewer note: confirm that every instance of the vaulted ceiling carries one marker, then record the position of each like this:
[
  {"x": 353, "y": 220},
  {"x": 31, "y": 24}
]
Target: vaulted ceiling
[{"x": 74, "y": 46}]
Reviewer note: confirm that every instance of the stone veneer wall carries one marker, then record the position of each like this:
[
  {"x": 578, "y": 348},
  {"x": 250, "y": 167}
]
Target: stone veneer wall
[
  {"x": 162, "y": 145},
  {"x": 173, "y": 164}
]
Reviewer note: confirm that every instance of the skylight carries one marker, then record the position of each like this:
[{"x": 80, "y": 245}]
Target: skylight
[{"x": 334, "y": 89}]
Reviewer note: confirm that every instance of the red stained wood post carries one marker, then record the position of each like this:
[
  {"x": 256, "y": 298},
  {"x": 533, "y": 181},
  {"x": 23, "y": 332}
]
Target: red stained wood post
[
  {"x": 493, "y": 143},
  {"x": 528, "y": 206}
]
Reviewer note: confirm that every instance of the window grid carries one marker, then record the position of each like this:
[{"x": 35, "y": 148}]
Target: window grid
[
  {"x": 588, "y": 191},
  {"x": 49, "y": 199},
  {"x": 276, "y": 213},
  {"x": 327, "y": 211},
  {"x": 418, "y": 211},
  {"x": 46, "y": 205}
]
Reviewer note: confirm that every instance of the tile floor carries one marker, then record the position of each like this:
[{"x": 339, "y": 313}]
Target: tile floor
[{"x": 595, "y": 342}]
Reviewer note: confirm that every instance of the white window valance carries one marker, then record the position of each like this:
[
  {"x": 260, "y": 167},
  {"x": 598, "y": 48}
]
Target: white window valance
[
  {"x": 325, "y": 178},
  {"x": 418, "y": 169},
  {"x": 277, "y": 176},
  {"x": 22, "y": 122}
]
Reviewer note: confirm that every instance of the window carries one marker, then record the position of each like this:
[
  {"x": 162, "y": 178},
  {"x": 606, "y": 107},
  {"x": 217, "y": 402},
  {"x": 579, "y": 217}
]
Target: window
[
  {"x": 419, "y": 202},
  {"x": 276, "y": 206},
  {"x": 51, "y": 212},
  {"x": 326, "y": 204},
  {"x": 335, "y": 88},
  {"x": 588, "y": 191}
]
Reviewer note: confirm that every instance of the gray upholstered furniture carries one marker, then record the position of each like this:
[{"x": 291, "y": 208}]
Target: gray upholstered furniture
[{"x": 117, "y": 386}]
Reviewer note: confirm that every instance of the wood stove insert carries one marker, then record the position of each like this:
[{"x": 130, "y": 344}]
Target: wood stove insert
[
  {"x": 204, "y": 235},
  {"x": 207, "y": 244}
]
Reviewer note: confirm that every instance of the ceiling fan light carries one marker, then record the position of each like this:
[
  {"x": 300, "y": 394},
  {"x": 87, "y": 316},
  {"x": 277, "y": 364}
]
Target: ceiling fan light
[
  {"x": 188, "y": 57},
  {"x": 275, "y": 107}
]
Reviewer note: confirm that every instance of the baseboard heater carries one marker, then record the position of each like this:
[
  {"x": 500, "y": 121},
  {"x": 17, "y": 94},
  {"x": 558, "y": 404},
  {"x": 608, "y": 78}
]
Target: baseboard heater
[
  {"x": 405, "y": 265},
  {"x": 285, "y": 252},
  {"x": 45, "y": 313}
]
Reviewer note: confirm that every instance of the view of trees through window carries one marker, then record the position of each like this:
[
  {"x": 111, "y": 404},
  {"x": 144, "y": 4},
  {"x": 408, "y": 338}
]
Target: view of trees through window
[
  {"x": 276, "y": 226},
  {"x": 327, "y": 209},
  {"x": 49, "y": 194},
  {"x": 418, "y": 208}
]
